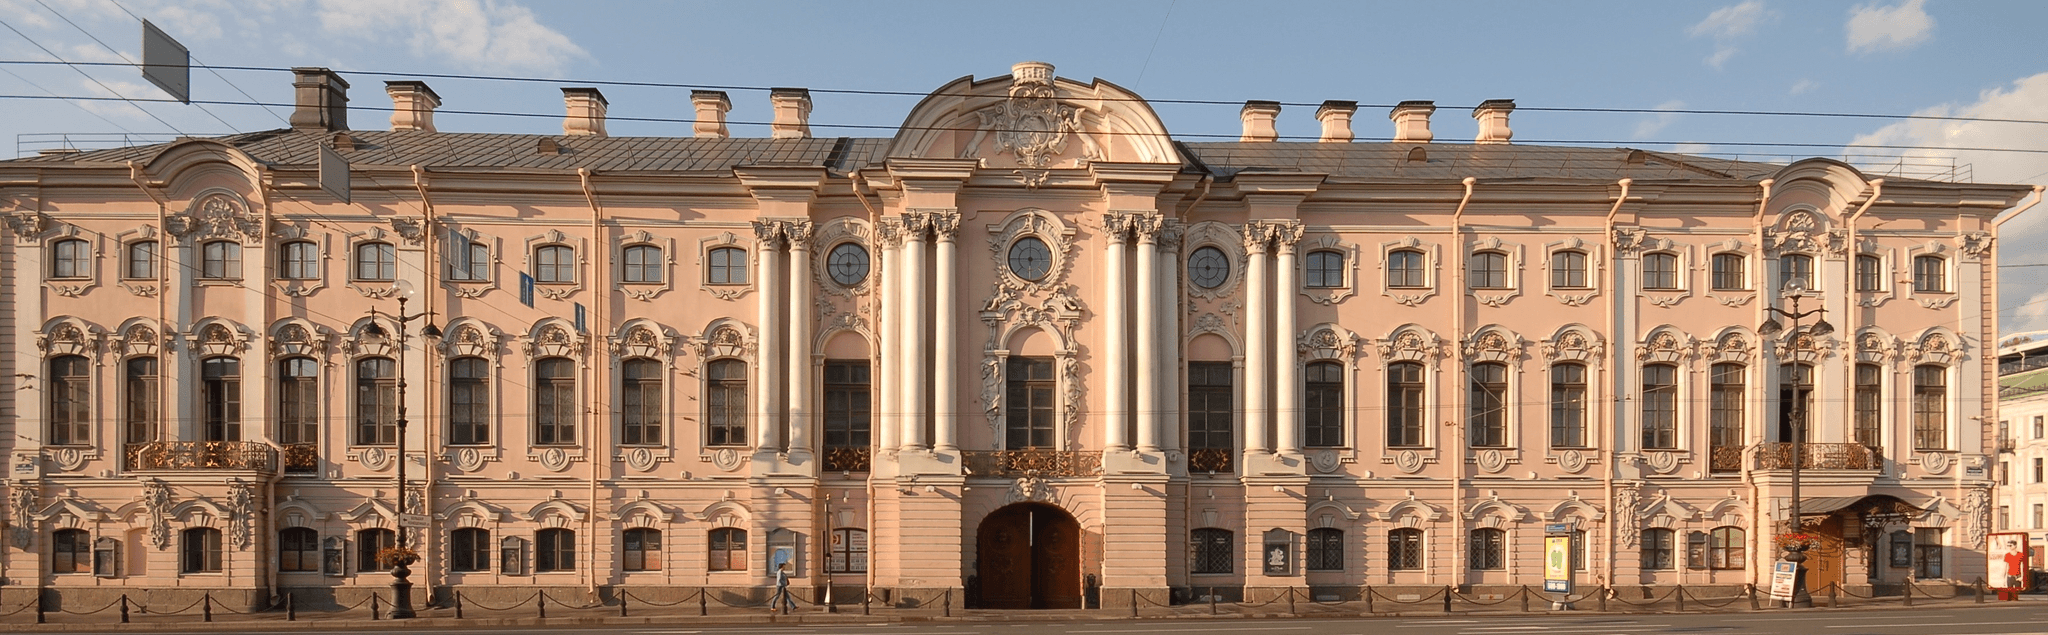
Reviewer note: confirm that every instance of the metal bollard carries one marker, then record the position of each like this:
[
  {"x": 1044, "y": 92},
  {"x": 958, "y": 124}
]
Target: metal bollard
[
  {"x": 1525, "y": 599},
  {"x": 865, "y": 598},
  {"x": 703, "y": 603},
  {"x": 458, "y": 604},
  {"x": 291, "y": 608},
  {"x": 1680, "y": 594},
  {"x": 541, "y": 598},
  {"x": 1832, "y": 589},
  {"x": 1752, "y": 597},
  {"x": 1212, "y": 600},
  {"x": 1368, "y": 598},
  {"x": 1978, "y": 589},
  {"x": 1604, "y": 592},
  {"x": 39, "y": 607},
  {"x": 1447, "y": 598},
  {"x": 622, "y": 603},
  {"x": 947, "y": 609},
  {"x": 1909, "y": 593},
  {"x": 1134, "y": 602},
  {"x": 124, "y": 608},
  {"x": 1290, "y": 602},
  {"x": 206, "y": 606},
  {"x": 373, "y": 606}
]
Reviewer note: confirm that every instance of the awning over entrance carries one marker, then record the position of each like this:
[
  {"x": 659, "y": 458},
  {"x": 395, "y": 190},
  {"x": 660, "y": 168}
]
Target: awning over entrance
[{"x": 1866, "y": 505}]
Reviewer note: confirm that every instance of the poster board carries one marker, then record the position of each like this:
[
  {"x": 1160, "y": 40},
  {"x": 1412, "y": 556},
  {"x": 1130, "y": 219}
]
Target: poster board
[
  {"x": 1557, "y": 564},
  {"x": 2010, "y": 561},
  {"x": 1783, "y": 576}
]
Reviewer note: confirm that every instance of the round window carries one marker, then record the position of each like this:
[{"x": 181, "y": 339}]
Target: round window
[
  {"x": 1030, "y": 259},
  {"x": 848, "y": 264},
  {"x": 1208, "y": 267}
]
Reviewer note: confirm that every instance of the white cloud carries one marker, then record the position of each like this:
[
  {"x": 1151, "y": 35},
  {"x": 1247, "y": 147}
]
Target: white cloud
[
  {"x": 1727, "y": 24},
  {"x": 1804, "y": 86},
  {"x": 2024, "y": 240},
  {"x": 1875, "y": 28},
  {"x": 1654, "y": 124},
  {"x": 473, "y": 34}
]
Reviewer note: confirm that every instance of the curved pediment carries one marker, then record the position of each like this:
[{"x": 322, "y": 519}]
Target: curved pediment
[{"x": 1034, "y": 119}]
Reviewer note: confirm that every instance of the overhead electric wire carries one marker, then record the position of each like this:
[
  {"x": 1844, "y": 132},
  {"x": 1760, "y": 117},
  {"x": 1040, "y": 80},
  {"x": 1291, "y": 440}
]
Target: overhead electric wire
[
  {"x": 124, "y": 57},
  {"x": 196, "y": 62},
  {"x": 75, "y": 66},
  {"x": 74, "y": 104}
]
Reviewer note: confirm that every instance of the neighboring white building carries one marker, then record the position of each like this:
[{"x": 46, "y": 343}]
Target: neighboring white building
[{"x": 2022, "y": 436}]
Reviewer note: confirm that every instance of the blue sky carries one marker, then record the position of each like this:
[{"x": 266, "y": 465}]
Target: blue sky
[{"x": 1888, "y": 56}]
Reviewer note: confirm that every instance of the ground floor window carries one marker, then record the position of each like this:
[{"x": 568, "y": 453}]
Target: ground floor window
[
  {"x": 1212, "y": 550},
  {"x": 1404, "y": 549},
  {"x": 1489, "y": 549}
]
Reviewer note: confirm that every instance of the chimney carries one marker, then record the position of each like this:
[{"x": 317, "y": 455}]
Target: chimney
[
  {"x": 586, "y": 112},
  {"x": 1493, "y": 121},
  {"x": 711, "y": 108},
  {"x": 1258, "y": 119},
  {"x": 1411, "y": 121},
  {"x": 320, "y": 100},
  {"x": 1336, "y": 118},
  {"x": 792, "y": 113},
  {"x": 412, "y": 105}
]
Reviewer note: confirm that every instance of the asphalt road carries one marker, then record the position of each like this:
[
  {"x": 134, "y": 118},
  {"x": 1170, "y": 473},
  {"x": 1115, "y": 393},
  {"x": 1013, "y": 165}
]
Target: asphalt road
[{"x": 1994, "y": 619}]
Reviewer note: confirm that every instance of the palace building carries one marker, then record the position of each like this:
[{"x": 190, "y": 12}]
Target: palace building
[{"x": 1030, "y": 350}]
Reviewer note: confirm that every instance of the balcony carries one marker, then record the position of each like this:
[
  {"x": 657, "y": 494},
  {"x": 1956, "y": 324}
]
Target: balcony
[
  {"x": 848, "y": 458},
  {"x": 1817, "y": 456},
  {"x": 1212, "y": 460},
  {"x": 1034, "y": 463},
  {"x": 184, "y": 456},
  {"x": 301, "y": 458},
  {"x": 2005, "y": 445}
]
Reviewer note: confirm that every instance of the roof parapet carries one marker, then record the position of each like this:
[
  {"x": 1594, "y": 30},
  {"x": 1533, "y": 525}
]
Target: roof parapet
[
  {"x": 1258, "y": 119},
  {"x": 586, "y": 109},
  {"x": 1336, "y": 118}
]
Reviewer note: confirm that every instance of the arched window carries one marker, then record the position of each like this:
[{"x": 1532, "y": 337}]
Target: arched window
[
  {"x": 1731, "y": 272},
  {"x": 376, "y": 401},
  {"x": 1212, "y": 549},
  {"x": 220, "y": 398},
  {"x": 640, "y": 412},
  {"x": 725, "y": 402},
  {"x": 1660, "y": 407},
  {"x": 1795, "y": 400},
  {"x": 1489, "y": 549},
  {"x": 220, "y": 260},
  {"x": 70, "y": 414},
  {"x": 1568, "y": 405},
  {"x": 728, "y": 549},
  {"x": 554, "y": 264},
  {"x": 1488, "y": 270},
  {"x": 554, "y": 550},
  {"x": 849, "y": 414},
  {"x": 642, "y": 549},
  {"x": 1727, "y": 548},
  {"x": 1404, "y": 549},
  {"x": 1325, "y": 549},
  {"x": 140, "y": 261},
  {"x": 728, "y": 266},
  {"x": 70, "y": 551},
  {"x": 849, "y": 551},
  {"x": 298, "y": 549},
  {"x": 376, "y": 262},
  {"x": 1869, "y": 405},
  {"x": 1725, "y": 399},
  {"x": 1488, "y": 416},
  {"x": 139, "y": 411},
  {"x": 298, "y": 401},
  {"x": 369, "y": 543},
  {"x": 469, "y": 261},
  {"x": 469, "y": 401},
  {"x": 555, "y": 406},
  {"x": 1568, "y": 270},
  {"x": 1869, "y": 273},
  {"x": 298, "y": 260},
  {"x": 1406, "y": 269},
  {"x": 1660, "y": 271},
  {"x": 1325, "y": 269},
  {"x": 1657, "y": 549},
  {"x": 469, "y": 549},
  {"x": 71, "y": 258},
  {"x": 1404, "y": 405},
  {"x": 199, "y": 550},
  {"x": 1029, "y": 404},
  {"x": 643, "y": 264},
  {"x": 1211, "y": 423},
  {"x": 1930, "y": 407},
  {"x": 1795, "y": 267},
  {"x": 1323, "y": 417},
  {"x": 1930, "y": 274}
]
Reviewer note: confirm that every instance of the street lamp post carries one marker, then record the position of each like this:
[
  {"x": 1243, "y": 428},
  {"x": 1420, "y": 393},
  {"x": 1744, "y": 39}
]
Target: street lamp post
[
  {"x": 401, "y": 569},
  {"x": 1795, "y": 553}
]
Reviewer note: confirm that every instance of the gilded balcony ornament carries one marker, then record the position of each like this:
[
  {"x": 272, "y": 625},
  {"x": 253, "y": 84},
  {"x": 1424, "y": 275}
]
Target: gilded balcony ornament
[
  {"x": 202, "y": 455},
  {"x": 1817, "y": 456},
  {"x": 1212, "y": 460},
  {"x": 848, "y": 458},
  {"x": 302, "y": 458},
  {"x": 1034, "y": 463}
]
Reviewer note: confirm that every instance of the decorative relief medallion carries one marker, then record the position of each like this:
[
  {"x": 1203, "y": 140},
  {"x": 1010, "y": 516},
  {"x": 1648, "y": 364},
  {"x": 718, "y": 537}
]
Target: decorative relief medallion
[
  {"x": 1325, "y": 461},
  {"x": 69, "y": 459},
  {"x": 1662, "y": 462},
  {"x": 1032, "y": 125},
  {"x": 1572, "y": 461},
  {"x": 641, "y": 459},
  {"x": 1935, "y": 462},
  {"x": 375, "y": 458},
  {"x": 726, "y": 459},
  {"x": 1408, "y": 461},
  {"x": 1491, "y": 460},
  {"x": 468, "y": 459},
  {"x": 554, "y": 459}
]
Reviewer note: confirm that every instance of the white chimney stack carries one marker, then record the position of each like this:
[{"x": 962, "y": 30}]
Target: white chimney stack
[
  {"x": 412, "y": 105},
  {"x": 711, "y": 108},
  {"x": 1336, "y": 118},
  {"x": 586, "y": 112},
  {"x": 792, "y": 113},
  {"x": 1258, "y": 119},
  {"x": 1411, "y": 121},
  {"x": 1493, "y": 121}
]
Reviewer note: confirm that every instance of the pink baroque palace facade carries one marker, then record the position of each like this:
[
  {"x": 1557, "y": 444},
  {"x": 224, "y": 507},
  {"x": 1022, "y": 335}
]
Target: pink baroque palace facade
[{"x": 1030, "y": 350}]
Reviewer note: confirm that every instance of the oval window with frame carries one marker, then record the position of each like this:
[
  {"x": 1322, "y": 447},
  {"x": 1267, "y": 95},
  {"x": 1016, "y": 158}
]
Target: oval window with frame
[
  {"x": 848, "y": 264},
  {"x": 1208, "y": 267},
  {"x": 1030, "y": 258}
]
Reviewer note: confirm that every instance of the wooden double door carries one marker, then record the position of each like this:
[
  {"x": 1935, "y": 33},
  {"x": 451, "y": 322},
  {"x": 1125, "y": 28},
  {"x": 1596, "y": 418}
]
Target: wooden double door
[{"x": 1029, "y": 557}]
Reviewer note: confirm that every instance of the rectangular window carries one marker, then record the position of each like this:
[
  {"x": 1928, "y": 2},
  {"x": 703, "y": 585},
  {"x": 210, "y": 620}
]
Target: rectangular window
[
  {"x": 1730, "y": 272},
  {"x": 469, "y": 403},
  {"x": 1869, "y": 274},
  {"x": 220, "y": 385},
  {"x": 469, "y": 549},
  {"x": 1211, "y": 421},
  {"x": 2004, "y": 517},
  {"x": 728, "y": 266},
  {"x": 1325, "y": 549},
  {"x": 556, "y": 407},
  {"x": 640, "y": 407},
  {"x": 376, "y": 401},
  {"x": 220, "y": 260},
  {"x": 1930, "y": 408},
  {"x": 70, "y": 392},
  {"x": 1404, "y": 405},
  {"x": 141, "y": 259},
  {"x": 728, "y": 549},
  {"x": 1568, "y": 270},
  {"x": 849, "y": 552},
  {"x": 1927, "y": 553},
  {"x": 1869, "y": 405},
  {"x": 1930, "y": 274},
  {"x": 2037, "y": 518},
  {"x": 1795, "y": 399},
  {"x": 1488, "y": 270},
  {"x": 1404, "y": 549},
  {"x": 298, "y": 549},
  {"x": 1657, "y": 549},
  {"x": 1660, "y": 407},
  {"x": 555, "y": 264},
  {"x": 725, "y": 403},
  {"x": 1405, "y": 270},
  {"x": 1728, "y": 549},
  {"x": 642, "y": 550},
  {"x": 849, "y": 403},
  {"x": 1212, "y": 550},
  {"x": 554, "y": 550},
  {"x": 1489, "y": 407},
  {"x": 2037, "y": 470},
  {"x": 298, "y": 401},
  {"x": 1660, "y": 271},
  {"x": 2038, "y": 427},
  {"x": 1489, "y": 549},
  {"x": 139, "y": 408},
  {"x": 1568, "y": 406},
  {"x": 70, "y": 551},
  {"x": 201, "y": 550},
  {"x": 1028, "y": 404},
  {"x": 1795, "y": 267},
  {"x": 369, "y": 543},
  {"x": 1725, "y": 409},
  {"x": 1323, "y": 414}
]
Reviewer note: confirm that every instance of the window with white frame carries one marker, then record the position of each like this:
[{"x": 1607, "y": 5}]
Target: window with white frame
[
  {"x": 1730, "y": 272},
  {"x": 1660, "y": 272},
  {"x": 298, "y": 260},
  {"x": 1930, "y": 274},
  {"x": 1568, "y": 270},
  {"x": 1407, "y": 269},
  {"x": 71, "y": 258},
  {"x": 139, "y": 262},
  {"x": 220, "y": 260},
  {"x": 1488, "y": 270},
  {"x": 376, "y": 262}
]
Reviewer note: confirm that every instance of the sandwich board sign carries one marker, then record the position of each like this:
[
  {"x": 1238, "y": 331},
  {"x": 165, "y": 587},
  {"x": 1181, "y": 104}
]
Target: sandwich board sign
[{"x": 1783, "y": 574}]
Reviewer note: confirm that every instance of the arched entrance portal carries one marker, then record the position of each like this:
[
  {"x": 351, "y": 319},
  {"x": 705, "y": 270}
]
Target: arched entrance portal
[{"x": 1029, "y": 557}]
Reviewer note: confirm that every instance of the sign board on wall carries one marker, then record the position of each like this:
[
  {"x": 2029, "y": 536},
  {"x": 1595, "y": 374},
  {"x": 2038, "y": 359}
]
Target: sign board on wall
[{"x": 2009, "y": 561}]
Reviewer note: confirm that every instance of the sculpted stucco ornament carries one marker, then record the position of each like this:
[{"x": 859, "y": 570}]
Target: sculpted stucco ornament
[
  {"x": 27, "y": 226},
  {"x": 216, "y": 216},
  {"x": 241, "y": 514},
  {"x": 156, "y": 497},
  {"x": 23, "y": 501},
  {"x": 1032, "y": 125}
]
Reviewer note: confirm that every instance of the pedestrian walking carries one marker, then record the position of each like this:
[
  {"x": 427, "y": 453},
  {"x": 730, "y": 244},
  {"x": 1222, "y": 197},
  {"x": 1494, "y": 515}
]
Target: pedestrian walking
[{"x": 782, "y": 598}]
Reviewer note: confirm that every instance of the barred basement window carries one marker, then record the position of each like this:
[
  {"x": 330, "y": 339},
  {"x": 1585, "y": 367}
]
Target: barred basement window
[
  {"x": 1325, "y": 549},
  {"x": 469, "y": 549},
  {"x": 1489, "y": 549},
  {"x": 1212, "y": 550},
  {"x": 1404, "y": 549}
]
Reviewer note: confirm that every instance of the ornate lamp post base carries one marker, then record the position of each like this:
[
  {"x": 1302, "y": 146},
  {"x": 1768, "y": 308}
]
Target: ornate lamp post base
[
  {"x": 1800, "y": 598},
  {"x": 401, "y": 592}
]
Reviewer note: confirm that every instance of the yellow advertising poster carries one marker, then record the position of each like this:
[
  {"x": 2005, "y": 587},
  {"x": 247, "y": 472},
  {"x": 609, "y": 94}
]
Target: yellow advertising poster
[{"x": 1557, "y": 558}]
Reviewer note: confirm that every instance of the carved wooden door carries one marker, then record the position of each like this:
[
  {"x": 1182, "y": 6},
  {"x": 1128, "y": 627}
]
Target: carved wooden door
[
  {"x": 1055, "y": 560},
  {"x": 1003, "y": 559},
  {"x": 1824, "y": 560}
]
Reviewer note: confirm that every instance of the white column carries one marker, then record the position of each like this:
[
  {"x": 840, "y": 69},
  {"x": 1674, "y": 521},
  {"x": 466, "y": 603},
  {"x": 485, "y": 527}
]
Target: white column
[
  {"x": 1286, "y": 371},
  {"x": 799, "y": 234},
  {"x": 1169, "y": 330},
  {"x": 888, "y": 373},
  {"x": 1116, "y": 367},
  {"x": 945, "y": 381},
  {"x": 1257, "y": 338},
  {"x": 916, "y": 389},
  {"x": 768, "y": 368},
  {"x": 1147, "y": 229}
]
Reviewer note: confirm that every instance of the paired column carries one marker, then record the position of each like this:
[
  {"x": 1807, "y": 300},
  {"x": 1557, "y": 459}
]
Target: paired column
[
  {"x": 799, "y": 235},
  {"x": 1116, "y": 228},
  {"x": 1288, "y": 415},
  {"x": 946, "y": 348},
  {"x": 916, "y": 308},
  {"x": 889, "y": 233},
  {"x": 1258, "y": 359},
  {"x": 1167, "y": 321},
  {"x": 1147, "y": 229},
  {"x": 768, "y": 369}
]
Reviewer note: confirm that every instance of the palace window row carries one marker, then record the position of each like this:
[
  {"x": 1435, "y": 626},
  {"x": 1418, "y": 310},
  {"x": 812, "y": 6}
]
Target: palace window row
[
  {"x": 377, "y": 261},
  {"x": 471, "y": 550},
  {"x": 1212, "y": 550}
]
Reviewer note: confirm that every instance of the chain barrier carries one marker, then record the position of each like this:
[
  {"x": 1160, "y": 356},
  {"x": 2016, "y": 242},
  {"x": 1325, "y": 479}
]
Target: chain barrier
[
  {"x": 1952, "y": 594},
  {"x": 1653, "y": 600},
  {"x": 109, "y": 605},
  {"x": 181, "y": 611},
  {"x": 265, "y": 609},
  {"x": 24, "y": 607},
  {"x": 1503, "y": 600},
  {"x": 487, "y": 607},
  {"x": 1288, "y": 595},
  {"x": 688, "y": 598},
  {"x": 755, "y": 605},
  {"x": 561, "y": 604},
  {"x": 1431, "y": 598},
  {"x": 1696, "y": 598}
]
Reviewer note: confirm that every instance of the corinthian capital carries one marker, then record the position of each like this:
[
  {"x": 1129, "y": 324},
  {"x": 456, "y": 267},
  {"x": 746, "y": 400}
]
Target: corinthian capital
[
  {"x": 1146, "y": 228},
  {"x": 1286, "y": 234},
  {"x": 798, "y": 232},
  {"x": 945, "y": 224},
  {"x": 1258, "y": 235},
  {"x": 1118, "y": 225},
  {"x": 768, "y": 232}
]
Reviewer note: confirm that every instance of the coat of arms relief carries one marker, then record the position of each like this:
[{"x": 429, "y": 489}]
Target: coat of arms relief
[{"x": 1032, "y": 124}]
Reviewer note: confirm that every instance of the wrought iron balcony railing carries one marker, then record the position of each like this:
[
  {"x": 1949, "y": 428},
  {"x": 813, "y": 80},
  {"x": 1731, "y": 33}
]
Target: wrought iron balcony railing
[
  {"x": 1039, "y": 463},
  {"x": 301, "y": 458},
  {"x": 1817, "y": 456},
  {"x": 202, "y": 455},
  {"x": 848, "y": 458},
  {"x": 1215, "y": 460},
  {"x": 1725, "y": 458}
]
